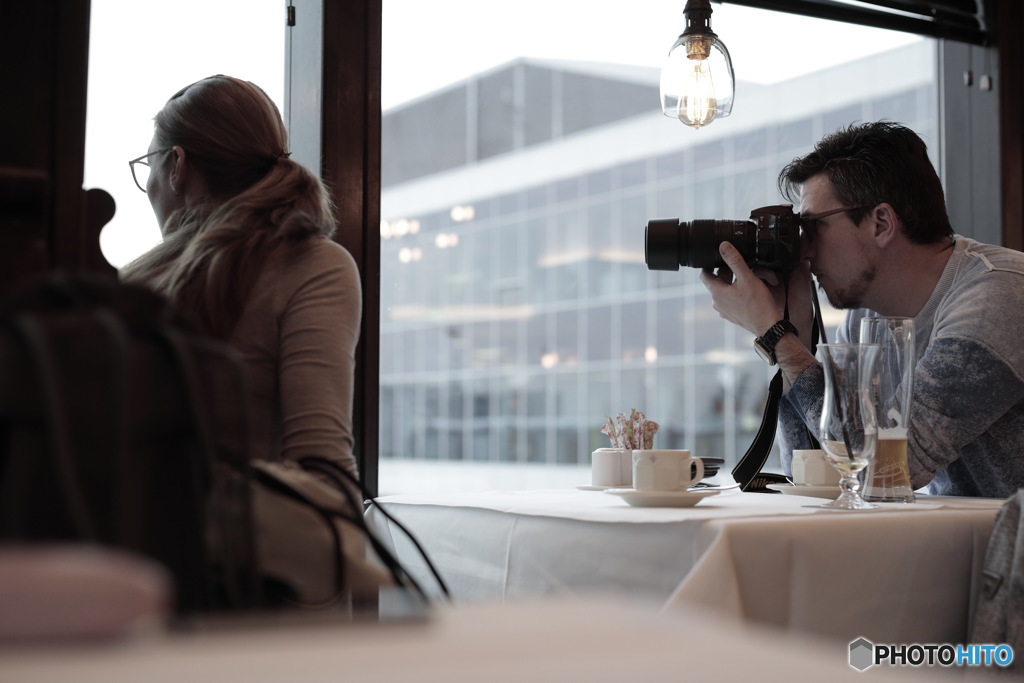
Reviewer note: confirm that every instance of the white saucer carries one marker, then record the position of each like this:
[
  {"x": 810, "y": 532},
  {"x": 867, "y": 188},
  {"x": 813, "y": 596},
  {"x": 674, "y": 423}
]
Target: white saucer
[
  {"x": 830, "y": 492},
  {"x": 663, "y": 499},
  {"x": 588, "y": 487}
]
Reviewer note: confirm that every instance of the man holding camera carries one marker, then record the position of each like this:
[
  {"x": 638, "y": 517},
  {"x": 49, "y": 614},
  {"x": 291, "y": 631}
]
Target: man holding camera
[{"x": 876, "y": 236}]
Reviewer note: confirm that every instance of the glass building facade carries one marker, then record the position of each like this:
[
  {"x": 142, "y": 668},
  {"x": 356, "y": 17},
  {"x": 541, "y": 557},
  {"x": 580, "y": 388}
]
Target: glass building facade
[{"x": 517, "y": 308}]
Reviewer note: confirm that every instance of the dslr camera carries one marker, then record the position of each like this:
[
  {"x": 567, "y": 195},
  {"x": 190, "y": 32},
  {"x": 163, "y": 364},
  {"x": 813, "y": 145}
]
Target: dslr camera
[{"x": 770, "y": 238}]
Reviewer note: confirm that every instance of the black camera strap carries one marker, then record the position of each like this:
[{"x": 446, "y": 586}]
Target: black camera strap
[{"x": 747, "y": 471}]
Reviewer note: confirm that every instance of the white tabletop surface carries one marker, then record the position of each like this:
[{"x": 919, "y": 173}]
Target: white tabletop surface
[
  {"x": 763, "y": 558},
  {"x": 601, "y": 506}
]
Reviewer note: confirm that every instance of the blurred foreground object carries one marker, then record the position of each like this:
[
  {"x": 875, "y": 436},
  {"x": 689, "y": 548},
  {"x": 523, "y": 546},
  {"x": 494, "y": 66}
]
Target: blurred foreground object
[{"x": 65, "y": 592}]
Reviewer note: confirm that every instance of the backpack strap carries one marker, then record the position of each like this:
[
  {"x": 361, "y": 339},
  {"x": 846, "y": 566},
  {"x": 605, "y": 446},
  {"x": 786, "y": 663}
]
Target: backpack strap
[
  {"x": 222, "y": 472},
  {"x": 36, "y": 344}
]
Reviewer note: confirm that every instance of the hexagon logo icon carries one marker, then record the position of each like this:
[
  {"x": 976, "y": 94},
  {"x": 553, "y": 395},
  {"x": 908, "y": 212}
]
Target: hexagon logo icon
[{"x": 862, "y": 653}]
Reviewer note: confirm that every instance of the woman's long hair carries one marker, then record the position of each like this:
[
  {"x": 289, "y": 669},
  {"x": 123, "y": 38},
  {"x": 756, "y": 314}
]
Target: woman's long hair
[{"x": 258, "y": 201}]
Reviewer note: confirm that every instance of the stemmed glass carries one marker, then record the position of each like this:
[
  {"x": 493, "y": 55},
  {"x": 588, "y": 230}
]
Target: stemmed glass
[{"x": 849, "y": 433}]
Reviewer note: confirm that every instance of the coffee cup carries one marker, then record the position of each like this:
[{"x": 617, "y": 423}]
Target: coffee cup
[
  {"x": 811, "y": 469},
  {"x": 611, "y": 467},
  {"x": 665, "y": 470}
]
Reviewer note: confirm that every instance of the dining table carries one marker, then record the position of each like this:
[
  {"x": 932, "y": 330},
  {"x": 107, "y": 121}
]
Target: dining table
[{"x": 901, "y": 573}]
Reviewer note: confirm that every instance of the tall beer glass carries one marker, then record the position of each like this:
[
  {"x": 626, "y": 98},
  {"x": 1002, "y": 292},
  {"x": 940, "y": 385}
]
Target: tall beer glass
[{"x": 888, "y": 477}]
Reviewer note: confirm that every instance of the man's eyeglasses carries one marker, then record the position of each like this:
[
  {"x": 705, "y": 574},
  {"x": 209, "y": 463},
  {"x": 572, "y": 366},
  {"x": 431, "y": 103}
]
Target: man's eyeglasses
[
  {"x": 810, "y": 223},
  {"x": 140, "y": 168}
]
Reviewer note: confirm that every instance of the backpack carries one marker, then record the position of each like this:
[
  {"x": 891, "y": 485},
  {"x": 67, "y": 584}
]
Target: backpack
[{"x": 121, "y": 425}]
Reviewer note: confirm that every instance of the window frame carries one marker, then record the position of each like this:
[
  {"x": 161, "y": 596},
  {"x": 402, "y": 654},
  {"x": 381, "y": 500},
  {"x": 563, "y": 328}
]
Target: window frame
[{"x": 332, "y": 110}]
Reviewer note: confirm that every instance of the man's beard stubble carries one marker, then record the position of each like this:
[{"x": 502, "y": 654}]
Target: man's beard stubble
[{"x": 852, "y": 296}]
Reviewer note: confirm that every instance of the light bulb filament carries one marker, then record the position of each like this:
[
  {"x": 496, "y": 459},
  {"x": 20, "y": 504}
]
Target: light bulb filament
[{"x": 698, "y": 105}]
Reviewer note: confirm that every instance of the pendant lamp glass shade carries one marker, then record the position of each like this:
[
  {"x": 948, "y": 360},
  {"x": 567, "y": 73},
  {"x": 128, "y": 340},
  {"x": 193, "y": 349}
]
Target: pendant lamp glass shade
[{"x": 697, "y": 81}]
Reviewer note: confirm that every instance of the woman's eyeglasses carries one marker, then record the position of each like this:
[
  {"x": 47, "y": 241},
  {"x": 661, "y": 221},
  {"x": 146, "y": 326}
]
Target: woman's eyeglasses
[{"x": 140, "y": 168}]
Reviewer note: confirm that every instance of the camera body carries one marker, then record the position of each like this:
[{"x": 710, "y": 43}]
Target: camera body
[{"x": 770, "y": 238}]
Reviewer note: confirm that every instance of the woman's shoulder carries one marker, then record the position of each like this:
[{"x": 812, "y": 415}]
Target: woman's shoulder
[
  {"x": 316, "y": 264},
  {"x": 301, "y": 277},
  {"x": 312, "y": 259},
  {"x": 321, "y": 251}
]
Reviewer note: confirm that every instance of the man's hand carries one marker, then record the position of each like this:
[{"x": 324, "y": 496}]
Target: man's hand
[
  {"x": 756, "y": 301},
  {"x": 801, "y": 308},
  {"x": 742, "y": 297}
]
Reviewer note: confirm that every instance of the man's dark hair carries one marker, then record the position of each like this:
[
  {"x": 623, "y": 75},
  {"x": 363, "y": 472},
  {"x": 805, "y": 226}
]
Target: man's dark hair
[{"x": 872, "y": 163}]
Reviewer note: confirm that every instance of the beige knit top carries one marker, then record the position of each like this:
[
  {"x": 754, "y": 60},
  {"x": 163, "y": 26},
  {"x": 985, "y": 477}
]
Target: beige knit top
[{"x": 298, "y": 337}]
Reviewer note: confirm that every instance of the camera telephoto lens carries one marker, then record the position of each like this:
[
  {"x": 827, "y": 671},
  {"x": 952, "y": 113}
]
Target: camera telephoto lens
[
  {"x": 769, "y": 239},
  {"x": 671, "y": 243}
]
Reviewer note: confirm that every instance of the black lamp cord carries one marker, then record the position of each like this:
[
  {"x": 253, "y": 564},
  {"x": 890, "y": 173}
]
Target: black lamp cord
[{"x": 399, "y": 573}]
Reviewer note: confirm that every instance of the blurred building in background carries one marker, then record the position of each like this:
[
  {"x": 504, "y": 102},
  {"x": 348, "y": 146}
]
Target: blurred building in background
[{"x": 517, "y": 310}]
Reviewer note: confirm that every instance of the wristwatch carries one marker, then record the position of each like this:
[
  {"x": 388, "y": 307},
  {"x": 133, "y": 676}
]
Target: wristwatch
[{"x": 765, "y": 344}]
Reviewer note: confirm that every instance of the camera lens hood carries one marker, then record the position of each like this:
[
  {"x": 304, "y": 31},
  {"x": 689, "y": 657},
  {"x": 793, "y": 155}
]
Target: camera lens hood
[{"x": 661, "y": 244}]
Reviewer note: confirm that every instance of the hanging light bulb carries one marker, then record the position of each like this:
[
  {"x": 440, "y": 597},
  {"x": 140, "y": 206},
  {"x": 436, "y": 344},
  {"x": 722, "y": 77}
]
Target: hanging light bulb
[{"x": 697, "y": 82}]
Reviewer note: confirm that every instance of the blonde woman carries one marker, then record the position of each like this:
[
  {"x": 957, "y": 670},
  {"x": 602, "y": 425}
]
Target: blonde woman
[{"x": 247, "y": 254}]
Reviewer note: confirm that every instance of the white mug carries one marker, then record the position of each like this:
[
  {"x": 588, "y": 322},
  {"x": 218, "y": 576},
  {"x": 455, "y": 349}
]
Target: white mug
[
  {"x": 611, "y": 467},
  {"x": 811, "y": 469},
  {"x": 665, "y": 470}
]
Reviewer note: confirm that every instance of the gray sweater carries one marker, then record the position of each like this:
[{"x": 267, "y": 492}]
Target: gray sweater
[{"x": 966, "y": 434}]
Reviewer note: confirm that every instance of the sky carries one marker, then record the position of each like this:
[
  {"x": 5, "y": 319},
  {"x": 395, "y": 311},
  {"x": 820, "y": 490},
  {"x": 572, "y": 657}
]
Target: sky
[
  {"x": 141, "y": 52},
  {"x": 467, "y": 36}
]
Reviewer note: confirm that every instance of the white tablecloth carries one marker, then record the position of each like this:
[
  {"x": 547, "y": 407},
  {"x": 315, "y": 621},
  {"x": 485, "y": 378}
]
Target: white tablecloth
[{"x": 901, "y": 574}]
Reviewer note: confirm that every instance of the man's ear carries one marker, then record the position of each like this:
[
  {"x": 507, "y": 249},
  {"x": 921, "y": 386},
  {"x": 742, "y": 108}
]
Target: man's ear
[{"x": 886, "y": 223}]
